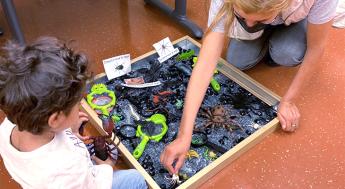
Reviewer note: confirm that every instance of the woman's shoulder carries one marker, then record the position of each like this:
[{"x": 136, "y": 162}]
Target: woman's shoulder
[{"x": 322, "y": 11}]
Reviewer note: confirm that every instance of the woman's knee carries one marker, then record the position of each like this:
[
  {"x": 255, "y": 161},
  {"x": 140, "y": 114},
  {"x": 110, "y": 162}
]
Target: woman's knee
[
  {"x": 244, "y": 58},
  {"x": 240, "y": 62},
  {"x": 288, "y": 44},
  {"x": 288, "y": 56}
]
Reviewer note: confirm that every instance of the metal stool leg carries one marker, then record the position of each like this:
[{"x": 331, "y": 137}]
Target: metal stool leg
[
  {"x": 12, "y": 20},
  {"x": 179, "y": 15}
]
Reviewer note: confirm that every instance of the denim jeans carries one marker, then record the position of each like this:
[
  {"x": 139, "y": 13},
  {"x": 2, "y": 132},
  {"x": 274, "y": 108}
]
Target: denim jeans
[
  {"x": 286, "y": 46},
  {"x": 128, "y": 179}
]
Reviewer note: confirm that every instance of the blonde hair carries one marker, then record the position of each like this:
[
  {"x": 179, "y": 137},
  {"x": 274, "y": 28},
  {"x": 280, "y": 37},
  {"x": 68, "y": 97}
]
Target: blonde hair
[{"x": 247, "y": 6}]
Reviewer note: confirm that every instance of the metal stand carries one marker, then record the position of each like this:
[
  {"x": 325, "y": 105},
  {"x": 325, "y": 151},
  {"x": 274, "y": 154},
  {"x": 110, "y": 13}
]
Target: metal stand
[
  {"x": 178, "y": 14},
  {"x": 12, "y": 20}
]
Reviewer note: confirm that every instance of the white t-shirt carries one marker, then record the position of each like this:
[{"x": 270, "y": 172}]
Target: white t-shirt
[
  {"x": 62, "y": 163},
  {"x": 321, "y": 12}
]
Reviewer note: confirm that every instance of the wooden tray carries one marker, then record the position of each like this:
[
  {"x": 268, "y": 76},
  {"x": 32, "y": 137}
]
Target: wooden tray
[{"x": 203, "y": 175}]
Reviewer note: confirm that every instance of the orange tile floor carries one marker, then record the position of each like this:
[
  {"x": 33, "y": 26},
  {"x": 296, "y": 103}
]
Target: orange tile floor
[{"x": 312, "y": 157}]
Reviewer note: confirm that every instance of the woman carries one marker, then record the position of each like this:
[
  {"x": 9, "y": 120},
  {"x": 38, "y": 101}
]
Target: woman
[{"x": 290, "y": 32}]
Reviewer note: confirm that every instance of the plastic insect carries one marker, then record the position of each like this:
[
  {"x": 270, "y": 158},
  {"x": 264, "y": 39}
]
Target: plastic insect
[
  {"x": 210, "y": 155},
  {"x": 191, "y": 154},
  {"x": 184, "y": 176},
  {"x": 134, "y": 112},
  {"x": 185, "y": 55},
  {"x": 102, "y": 149},
  {"x": 101, "y": 146},
  {"x": 175, "y": 179},
  {"x": 217, "y": 117},
  {"x": 161, "y": 97},
  {"x": 153, "y": 73},
  {"x": 179, "y": 104}
]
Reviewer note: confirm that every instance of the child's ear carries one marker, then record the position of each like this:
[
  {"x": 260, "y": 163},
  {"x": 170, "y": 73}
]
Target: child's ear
[{"x": 54, "y": 120}]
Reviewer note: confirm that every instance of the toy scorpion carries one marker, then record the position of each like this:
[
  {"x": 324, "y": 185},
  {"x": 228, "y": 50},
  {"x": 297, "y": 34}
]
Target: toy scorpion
[{"x": 101, "y": 147}]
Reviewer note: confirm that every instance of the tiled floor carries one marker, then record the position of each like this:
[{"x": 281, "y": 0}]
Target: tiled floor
[{"x": 313, "y": 157}]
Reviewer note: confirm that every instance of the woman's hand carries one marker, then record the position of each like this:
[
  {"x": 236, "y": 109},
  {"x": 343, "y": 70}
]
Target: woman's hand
[
  {"x": 83, "y": 118},
  {"x": 175, "y": 152},
  {"x": 288, "y": 115}
]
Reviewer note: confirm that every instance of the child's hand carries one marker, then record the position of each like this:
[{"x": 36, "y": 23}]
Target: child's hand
[
  {"x": 83, "y": 118},
  {"x": 99, "y": 161}
]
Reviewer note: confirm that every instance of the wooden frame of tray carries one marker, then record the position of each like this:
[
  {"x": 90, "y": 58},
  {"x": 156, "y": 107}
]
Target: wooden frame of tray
[{"x": 203, "y": 175}]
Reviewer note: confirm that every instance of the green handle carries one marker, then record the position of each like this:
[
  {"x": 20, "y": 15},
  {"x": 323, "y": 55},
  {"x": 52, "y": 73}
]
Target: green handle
[
  {"x": 215, "y": 85},
  {"x": 138, "y": 151}
]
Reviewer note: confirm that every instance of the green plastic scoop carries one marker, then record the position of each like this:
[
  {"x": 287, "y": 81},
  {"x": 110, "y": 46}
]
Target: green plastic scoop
[{"x": 158, "y": 119}]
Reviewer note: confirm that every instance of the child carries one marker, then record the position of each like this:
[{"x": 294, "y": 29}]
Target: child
[
  {"x": 288, "y": 31},
  {"x": 41, "y": 86}
]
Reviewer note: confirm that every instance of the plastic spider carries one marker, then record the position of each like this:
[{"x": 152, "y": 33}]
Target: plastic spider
[{"x": 218, "y": 117}]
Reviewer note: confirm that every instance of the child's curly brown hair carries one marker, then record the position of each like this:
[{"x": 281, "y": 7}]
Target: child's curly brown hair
[{"x": 39, "y": 79}]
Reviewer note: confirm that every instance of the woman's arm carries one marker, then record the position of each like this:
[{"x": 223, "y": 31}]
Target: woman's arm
[
  {"x": 200, "y": 80},
  {"x": 197, "y": 86},
  {"x": 288, "y": 112}
]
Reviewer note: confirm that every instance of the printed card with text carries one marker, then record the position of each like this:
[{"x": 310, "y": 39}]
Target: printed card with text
[
  {"x": 165, "y": 49},
  {"x": 117, "y": 66}
]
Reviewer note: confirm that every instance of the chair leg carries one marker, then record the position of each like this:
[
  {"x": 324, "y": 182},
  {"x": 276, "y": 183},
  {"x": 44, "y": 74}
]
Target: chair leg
[
  {"x": 12, "y": 20},
  {"x": 179, "y": 15}
]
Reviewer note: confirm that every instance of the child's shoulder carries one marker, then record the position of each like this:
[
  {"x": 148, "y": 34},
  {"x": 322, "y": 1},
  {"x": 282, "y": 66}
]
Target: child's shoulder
[{"x": 6, "y": 128}]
